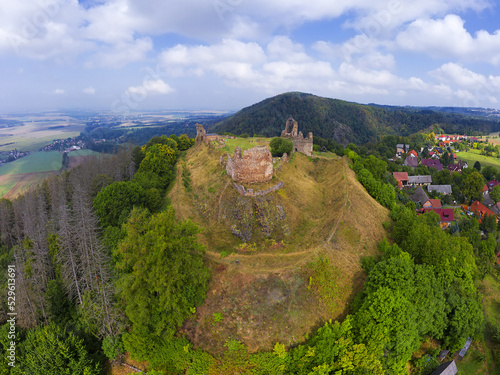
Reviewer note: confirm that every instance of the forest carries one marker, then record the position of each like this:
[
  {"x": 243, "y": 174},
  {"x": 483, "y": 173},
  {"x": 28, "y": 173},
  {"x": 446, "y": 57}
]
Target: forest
[
  {"x": 103, "y": 268},
  {"x": 346, "y": 122}
]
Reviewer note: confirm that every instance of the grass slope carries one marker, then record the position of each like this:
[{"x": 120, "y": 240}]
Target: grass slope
[
  {"x": 472, "y": 156},
  {"x": 277, "y": 288}
]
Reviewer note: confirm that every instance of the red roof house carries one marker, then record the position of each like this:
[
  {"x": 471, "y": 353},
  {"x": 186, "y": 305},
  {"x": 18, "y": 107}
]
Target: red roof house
[
  {"x": 435, "y": 203},
  {"x": 401, "y": 178},
  {"x": 445, "y": 215},
  {"x": 481, "y": 210},
  {"x": 432, "y": 163}
]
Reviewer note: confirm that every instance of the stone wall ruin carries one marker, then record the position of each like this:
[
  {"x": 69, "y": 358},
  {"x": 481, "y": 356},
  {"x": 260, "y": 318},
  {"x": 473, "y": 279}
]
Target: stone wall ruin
[
  {"x": 250, "y": 166},
  {"x": 300, "y": 144}
]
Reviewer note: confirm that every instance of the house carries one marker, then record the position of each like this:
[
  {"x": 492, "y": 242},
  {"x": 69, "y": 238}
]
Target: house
[
  {"x": 435, "y": 203},
  {"x": 432, "y": 163},
  {"x": 495, "y": 208},
  {"x": 401, "y": 149},
  {"x": 462, "y": 164},
  {"x": 445, "y": 216},
  {"x": 498, "y": 258},
  {"x": 481, "y": 211},
  {"x": 454, "y": 168},
  {"x": 401, "y": 178},
  {"x": 413, "y": 153},
  {"x": 490, "y": 185},
  {"x": 419, "y": 180},
  {"x": 442, "y": 189},
  {"x": 419, "y": 197},
  {"x": 448, "y": 368},
  {"x": 411, "y": 161}
]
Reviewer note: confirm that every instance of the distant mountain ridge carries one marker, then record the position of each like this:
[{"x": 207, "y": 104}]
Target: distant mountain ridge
[{"x": 345, "y": 121}]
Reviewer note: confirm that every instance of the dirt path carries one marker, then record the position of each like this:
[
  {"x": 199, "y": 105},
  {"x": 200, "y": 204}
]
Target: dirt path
[
  {"x": 343, "y": 207},
  {"x": 220, "y": 199}
]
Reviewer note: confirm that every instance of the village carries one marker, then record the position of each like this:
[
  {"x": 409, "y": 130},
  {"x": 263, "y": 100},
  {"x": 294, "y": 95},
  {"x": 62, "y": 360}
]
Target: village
[{"x": 429, "y": 192}]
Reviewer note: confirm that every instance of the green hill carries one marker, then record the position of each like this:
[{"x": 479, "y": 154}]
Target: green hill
[
  {"x": 304, "y": 241},
  {"x": 344, "y": 121}
]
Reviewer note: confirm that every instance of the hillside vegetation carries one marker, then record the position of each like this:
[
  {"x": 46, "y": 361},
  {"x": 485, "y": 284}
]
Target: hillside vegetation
[
  {"x": 344, "y": 121},
  {"x": 307, "y": 269}
]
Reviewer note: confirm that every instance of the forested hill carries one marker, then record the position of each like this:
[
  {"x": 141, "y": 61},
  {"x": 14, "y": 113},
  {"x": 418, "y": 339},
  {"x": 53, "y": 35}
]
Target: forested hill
[{"x": 344, "y": 121}]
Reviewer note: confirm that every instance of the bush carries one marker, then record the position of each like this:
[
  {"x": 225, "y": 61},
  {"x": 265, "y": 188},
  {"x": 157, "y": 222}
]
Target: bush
[{"x": 280, "y": 145}]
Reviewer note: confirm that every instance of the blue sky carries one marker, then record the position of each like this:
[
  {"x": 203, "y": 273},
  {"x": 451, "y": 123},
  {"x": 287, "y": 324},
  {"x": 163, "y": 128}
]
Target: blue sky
[{"x": 125, "y": 55}]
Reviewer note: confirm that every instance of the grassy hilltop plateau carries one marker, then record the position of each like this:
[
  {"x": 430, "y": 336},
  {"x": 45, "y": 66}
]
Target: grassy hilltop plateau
[{"x": 253, "y": 251}]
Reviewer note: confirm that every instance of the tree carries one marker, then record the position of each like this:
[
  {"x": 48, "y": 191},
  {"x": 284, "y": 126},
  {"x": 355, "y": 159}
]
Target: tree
[
  {"x": 115, "y": 201},
  {"x": 52, "y": 350},
  {"x": 473, "y": 186},
  {"x": 280, "y": 145},
  {"x": 495, "y": 193},
  {"x": 162, "y": 276},
  {"x": 489, "y": 172},
  {"x": 477, "y": 165}
]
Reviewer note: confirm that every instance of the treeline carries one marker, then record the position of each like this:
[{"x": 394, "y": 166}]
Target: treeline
[
  {"x": 73, "y": 242},
  {"x": 345, "y": 122}
]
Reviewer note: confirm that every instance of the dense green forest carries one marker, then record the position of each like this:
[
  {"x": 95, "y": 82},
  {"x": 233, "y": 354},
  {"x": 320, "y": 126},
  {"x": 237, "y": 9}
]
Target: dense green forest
[
  {"x": 343, "y": 121},
  {"x": 102, "y": 267}
]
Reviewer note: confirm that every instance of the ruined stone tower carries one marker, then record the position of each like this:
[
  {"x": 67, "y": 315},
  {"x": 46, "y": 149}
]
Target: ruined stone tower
[
  {"x": 300, "y": 144},
  {"x": 250, "y": 166},
  {"x": 200, "y": 134}
]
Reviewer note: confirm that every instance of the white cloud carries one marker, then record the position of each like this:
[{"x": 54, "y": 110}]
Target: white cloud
[
  {"x": 59, "y": 92},
  {"x": 448, "y": 37},
  {"x": 472, "y": 87},
  {"x": 89, "y": 90},
  {"x": 149, "y": 87}
]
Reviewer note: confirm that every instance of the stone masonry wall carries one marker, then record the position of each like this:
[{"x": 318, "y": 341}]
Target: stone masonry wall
[{"x": 250, "y": 166}]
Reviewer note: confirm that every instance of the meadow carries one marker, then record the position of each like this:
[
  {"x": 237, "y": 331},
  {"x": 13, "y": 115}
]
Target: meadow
[{"x": 472, "y": 156}]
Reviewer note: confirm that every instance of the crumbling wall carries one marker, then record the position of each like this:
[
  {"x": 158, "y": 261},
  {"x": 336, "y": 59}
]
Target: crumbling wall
[
  {"x": 200, "y": 134},
  {"x": 250, "y": 166},
  {"x": 300, "y": 144}
]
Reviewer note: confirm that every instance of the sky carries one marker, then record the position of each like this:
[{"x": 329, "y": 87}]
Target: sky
[{"x": 138, "y": 55}]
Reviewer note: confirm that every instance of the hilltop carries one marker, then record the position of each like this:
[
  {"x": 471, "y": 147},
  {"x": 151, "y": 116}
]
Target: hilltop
[
  {"x": 319, "y": 225},
  {"x": 345, "y": 121}
]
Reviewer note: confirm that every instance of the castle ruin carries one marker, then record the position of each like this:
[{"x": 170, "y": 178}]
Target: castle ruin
[
  {"x": 203, "y": 137},
  {"x": 300, "y": 144},
  {"x": 250, "y": 166}
]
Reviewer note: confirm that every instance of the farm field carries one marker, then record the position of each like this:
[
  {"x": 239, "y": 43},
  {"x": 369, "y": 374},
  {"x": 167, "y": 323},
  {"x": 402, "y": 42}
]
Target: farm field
[
  {"x": 34, "y": 135},
  {"x": 18, "y": 176},
  {"x": 472, "y": 156},
  {"x": 37, "y": 162},
  {"x": 12, "y": 185}
]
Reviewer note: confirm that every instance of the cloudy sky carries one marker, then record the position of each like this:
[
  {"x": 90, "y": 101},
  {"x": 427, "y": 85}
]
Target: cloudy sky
[{"x": 126, "y": 55}]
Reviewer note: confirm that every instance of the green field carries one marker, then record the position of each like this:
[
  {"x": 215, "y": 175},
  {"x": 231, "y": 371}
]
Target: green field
[
  {"x": 37, "y": 162},
  {"x": 472, "y": 156}
]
